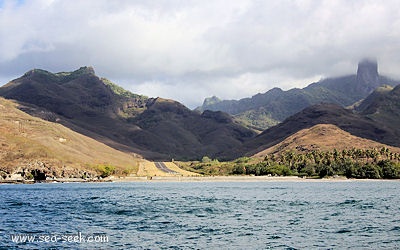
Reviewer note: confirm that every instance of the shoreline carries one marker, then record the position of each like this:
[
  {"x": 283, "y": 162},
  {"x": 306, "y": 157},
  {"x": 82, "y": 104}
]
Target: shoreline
[
  {"x": 239, "y": 179},
  {"x": 61, "y": 180},
  {"x": 197, "y": 179}
]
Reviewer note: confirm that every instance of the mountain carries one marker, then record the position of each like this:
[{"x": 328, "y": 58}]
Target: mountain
[
  {"x": 30, "y": 146},
  {"x": 155, "y": 128},
  {"x": 265, "y": 110},
  {"x": 79, "y": 100},
  {"x": 174, "y": 129},
  {"x": 376, "y": 118},
  {"x": 345, "y": 119}
]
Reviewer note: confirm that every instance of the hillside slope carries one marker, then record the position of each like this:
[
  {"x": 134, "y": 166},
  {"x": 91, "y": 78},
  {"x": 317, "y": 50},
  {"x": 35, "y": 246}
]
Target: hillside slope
[
  {"x": 30, "y": 144},
  {"x": 171, "y": 128},
  {"x": 322, "y": 137},
  {"x": 383, "y": 106}
]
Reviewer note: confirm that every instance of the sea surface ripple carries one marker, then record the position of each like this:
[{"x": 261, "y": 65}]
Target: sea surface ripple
[{"x": 205, "y": 215}]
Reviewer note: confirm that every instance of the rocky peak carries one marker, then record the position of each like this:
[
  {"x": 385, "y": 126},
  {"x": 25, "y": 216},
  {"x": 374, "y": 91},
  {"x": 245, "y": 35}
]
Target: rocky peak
[
  {"x": 211, "y": 100},
  {"x": 367, "y": 74},
  {"x": 86, "y": 70}
]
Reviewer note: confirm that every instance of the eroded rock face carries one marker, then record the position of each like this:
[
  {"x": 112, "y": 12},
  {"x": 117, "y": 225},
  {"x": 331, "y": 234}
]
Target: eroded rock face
[{"x": 42, "y": 171}]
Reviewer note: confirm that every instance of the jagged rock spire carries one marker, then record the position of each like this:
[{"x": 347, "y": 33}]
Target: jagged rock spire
[{"x": 367, "y": 73}]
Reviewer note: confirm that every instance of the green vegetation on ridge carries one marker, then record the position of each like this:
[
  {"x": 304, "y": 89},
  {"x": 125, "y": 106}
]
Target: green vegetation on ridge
[{"x": 121, "y": 91}]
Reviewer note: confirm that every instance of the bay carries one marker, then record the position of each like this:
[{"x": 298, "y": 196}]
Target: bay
[{"x": 203, "y": 215}]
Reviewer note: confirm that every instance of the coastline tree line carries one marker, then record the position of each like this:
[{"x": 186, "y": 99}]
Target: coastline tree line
[{"x": 353, "y": 163}]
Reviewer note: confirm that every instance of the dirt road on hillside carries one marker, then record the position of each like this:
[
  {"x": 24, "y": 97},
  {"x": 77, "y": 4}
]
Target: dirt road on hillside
[{"x": 161, "y": 166}]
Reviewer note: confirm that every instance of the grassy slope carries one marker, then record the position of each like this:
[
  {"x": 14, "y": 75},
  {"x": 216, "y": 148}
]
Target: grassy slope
[
  {"x": 25, "y": 139},
  {"x": 324, "y": 137}
]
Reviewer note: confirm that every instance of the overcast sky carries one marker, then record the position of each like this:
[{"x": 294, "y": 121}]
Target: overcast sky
[{"x": 188, "y": 50}]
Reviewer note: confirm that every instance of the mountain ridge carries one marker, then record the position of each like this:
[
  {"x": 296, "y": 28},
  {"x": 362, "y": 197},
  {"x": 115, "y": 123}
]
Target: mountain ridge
[
  {"x": 156, "y": 128},
  {"x": 164, "y": 129},
  {"x": 264, "y": 110},
  {"x": 376, "y": 118}
]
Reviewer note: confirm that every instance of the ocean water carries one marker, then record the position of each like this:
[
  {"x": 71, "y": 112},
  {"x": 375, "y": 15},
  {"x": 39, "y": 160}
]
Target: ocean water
[{"x": 201, "y": 215}]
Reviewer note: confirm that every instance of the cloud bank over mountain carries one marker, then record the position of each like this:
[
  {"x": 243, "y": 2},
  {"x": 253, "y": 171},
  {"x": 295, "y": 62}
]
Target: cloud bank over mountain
[{"x": 187, "y": 50}]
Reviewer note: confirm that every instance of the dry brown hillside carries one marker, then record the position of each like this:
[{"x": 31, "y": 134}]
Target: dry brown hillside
[
  {"x": 31, "y": 144},
  {"x": 323, "y": 137}
]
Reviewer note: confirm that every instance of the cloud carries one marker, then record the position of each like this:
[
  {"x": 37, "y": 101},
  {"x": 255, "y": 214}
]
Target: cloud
[{"x": 187, "y": 50}]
